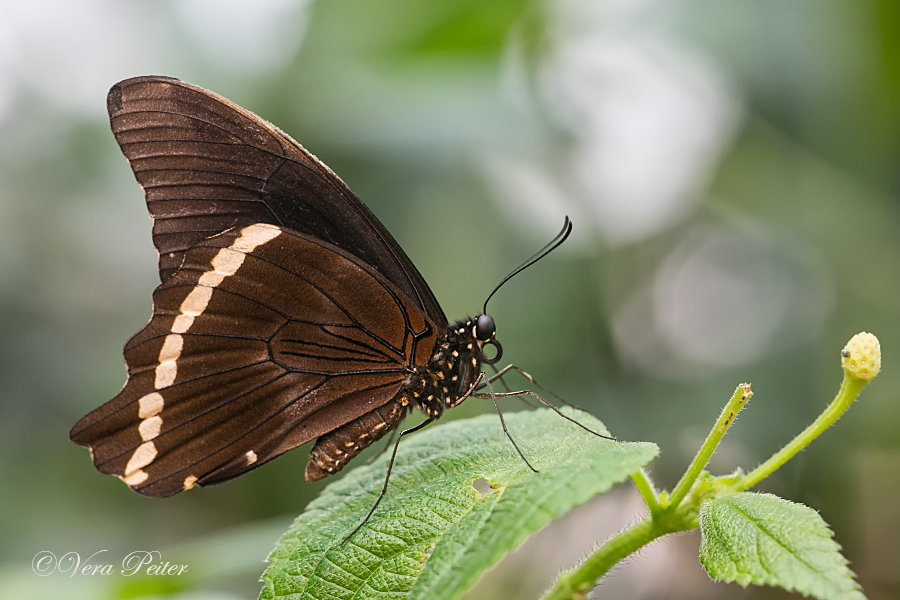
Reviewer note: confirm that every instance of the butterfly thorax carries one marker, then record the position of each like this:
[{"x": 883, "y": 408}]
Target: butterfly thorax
[{"x": 451, "y": 372}]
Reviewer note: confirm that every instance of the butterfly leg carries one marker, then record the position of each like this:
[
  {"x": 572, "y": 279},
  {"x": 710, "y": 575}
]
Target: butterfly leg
[
  {"x": 494, "y": 395},
  {"x": 387, "y": 477},
  {"x": 390, "y": 442},
  {"x": 499, "y": 375}
]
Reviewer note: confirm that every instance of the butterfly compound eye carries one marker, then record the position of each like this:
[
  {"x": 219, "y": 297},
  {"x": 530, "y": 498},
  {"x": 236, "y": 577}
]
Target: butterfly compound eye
[{"x": 484, "y": 328}]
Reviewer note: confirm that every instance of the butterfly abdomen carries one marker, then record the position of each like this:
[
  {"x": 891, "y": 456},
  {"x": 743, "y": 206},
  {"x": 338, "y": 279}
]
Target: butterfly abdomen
[{"x": 336, "y": 448}]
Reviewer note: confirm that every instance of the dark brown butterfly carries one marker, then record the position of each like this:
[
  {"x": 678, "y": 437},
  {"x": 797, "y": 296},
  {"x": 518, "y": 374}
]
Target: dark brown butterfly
[{"x": 286, "y": 311}]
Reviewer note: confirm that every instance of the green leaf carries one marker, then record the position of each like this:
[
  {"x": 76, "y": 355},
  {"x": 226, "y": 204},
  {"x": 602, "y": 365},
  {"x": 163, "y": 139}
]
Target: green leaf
[
  {"x": 766, "y": 540},
  {"x": 434, "y": 533}
]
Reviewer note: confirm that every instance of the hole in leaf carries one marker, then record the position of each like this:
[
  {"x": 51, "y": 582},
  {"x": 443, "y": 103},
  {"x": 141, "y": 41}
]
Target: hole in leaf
[{"x": 482, "y": 486}]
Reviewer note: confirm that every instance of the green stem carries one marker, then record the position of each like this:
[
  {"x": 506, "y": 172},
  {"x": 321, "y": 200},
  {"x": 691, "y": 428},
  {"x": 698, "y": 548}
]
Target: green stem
[
  {"x": 850, "y": 389},
  {"x": 741, "y": 394},
  {"x": 648, "y": 492},
  {"x": 575, "y": 585}
]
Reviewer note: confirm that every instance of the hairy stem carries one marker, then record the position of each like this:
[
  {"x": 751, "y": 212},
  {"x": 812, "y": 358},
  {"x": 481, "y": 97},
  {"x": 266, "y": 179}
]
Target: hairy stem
[
  {"x": 648, "y": 492},
  {"x": 576, "y": 584},
  {"x": 741, "y": 394},
  {"x": 850, "y": 389}
]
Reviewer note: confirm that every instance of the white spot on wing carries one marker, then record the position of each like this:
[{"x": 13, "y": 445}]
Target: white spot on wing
[
  {"x": 251, "y": 457},
  {"x": 189, "y": 482},
  {"x": 225, "y": 264},
  {"x": 135, "y": 478},
  {"x": 193, "y": 306},
  {"x": 150, "y": 405},
  {"x": 254, "y": 236},
  {"x": 171, "y": 349},
  {"x": 165, "y": 374},
  {"x": 167, "y": 369},
  {"x": 149, "y": 428},
  {"x": 142, "y": 457}
]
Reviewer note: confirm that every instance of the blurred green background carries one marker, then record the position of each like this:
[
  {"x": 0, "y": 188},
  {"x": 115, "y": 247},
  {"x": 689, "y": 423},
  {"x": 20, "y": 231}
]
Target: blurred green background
[{"x": 732, "y": 169}]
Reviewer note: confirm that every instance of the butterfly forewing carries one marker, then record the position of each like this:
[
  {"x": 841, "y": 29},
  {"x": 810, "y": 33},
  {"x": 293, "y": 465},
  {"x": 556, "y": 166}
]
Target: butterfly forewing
[
  {"x": 262, "y": 340},
  {"x": 207, "y": 165}
]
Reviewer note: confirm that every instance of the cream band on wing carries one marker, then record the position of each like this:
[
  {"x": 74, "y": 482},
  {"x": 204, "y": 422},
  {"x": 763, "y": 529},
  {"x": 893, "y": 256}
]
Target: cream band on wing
[{"x": 225, "y": 263}]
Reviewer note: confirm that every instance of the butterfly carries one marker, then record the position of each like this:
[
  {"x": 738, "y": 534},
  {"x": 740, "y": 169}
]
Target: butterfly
[{"x": 286, "y": 311}]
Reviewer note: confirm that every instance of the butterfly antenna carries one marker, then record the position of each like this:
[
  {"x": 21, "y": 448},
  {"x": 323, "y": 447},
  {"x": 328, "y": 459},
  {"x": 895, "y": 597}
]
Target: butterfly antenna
[{"x": 547, "y": 249}]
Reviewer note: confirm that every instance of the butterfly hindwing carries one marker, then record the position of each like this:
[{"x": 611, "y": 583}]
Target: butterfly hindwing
[
  {"x": 258, "y": 343},
  {"x": 207, "y": 165}
]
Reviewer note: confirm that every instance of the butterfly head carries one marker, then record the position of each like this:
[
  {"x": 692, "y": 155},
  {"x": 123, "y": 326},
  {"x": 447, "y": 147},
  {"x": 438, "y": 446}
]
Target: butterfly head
[{"x": 485, "y": 332}]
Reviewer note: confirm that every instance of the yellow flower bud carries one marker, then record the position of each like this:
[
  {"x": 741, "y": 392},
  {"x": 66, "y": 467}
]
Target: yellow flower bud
[{"x": 861, "y": 357}]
